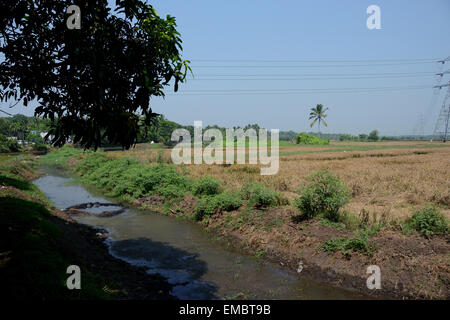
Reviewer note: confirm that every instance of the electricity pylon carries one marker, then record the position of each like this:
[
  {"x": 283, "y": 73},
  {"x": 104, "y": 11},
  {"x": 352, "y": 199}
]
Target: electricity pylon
[{"x": 441, "y": 130}]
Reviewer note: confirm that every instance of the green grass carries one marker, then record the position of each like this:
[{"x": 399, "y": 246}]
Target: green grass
[
  {"x": 16, "y": 183},
  {"x": 60, "y": 157},
  {"x": 14, "y": 173},
  {"x": 358, "y": 243},
  {"x": 332, "y": 224},
  {"x": 35, "y": 264}
]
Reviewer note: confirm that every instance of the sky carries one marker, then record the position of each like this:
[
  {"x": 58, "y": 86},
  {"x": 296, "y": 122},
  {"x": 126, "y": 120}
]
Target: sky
[{"x": 269, "y": 62}]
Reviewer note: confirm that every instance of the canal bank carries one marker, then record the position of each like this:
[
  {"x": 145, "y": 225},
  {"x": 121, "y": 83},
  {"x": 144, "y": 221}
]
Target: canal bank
[{"x": 194, "y": 264}]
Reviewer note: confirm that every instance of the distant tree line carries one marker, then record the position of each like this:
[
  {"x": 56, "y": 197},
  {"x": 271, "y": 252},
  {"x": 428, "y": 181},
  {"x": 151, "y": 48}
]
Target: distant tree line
[
  {"x": 19, "y": 130},
  {"x": 28, "y": 130},
  {"x": 19, "y": 126}
]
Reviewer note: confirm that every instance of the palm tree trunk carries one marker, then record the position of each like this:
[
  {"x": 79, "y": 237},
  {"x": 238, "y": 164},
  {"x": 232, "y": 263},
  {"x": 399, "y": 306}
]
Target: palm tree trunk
[{"x": 319, "y": 128}]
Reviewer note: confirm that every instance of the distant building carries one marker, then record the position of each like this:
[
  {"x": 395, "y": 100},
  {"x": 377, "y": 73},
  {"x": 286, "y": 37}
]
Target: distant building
[{"x": 49, "y": 138}]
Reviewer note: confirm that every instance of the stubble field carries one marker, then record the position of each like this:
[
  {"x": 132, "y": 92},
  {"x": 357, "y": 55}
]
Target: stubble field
[{"x": 387, "y": 179}]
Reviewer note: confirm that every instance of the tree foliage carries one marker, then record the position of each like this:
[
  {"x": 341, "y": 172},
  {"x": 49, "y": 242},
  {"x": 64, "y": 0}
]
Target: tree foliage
[
  {"x": 304, "y": 138},
  {"x": 373, "y": 136},
  {"x": 318, "y": 115},
  {"x": 92, "y": 82}
]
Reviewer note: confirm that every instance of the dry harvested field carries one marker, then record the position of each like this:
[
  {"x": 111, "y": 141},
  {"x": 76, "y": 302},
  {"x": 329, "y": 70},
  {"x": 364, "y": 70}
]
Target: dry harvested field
[{"x": 387, "y": 179}]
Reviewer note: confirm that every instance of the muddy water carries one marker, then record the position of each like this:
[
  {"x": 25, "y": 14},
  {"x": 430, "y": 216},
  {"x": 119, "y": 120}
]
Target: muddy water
[{"x": 197, "y": 266}]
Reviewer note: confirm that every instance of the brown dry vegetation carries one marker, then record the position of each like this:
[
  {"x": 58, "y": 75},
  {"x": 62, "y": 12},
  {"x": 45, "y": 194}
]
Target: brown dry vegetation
[{"x": 385, "y": 182}]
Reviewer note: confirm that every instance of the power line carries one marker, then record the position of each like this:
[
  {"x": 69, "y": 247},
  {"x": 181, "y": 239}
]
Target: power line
[
  {"x": 294, "y": 91},
  {"x": 323, "y": 78},
  {"x": 314, "y": 89},
  {"x": 311, "y": 66},
  {"x": 311, "y": 60},
  {"x": 319, "y": 74},
  {"x": 9, "y": 114}
]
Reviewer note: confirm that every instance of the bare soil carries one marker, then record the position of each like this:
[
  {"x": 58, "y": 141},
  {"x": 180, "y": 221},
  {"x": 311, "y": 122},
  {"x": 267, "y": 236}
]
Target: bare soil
[{"x": 412, "y": 267}]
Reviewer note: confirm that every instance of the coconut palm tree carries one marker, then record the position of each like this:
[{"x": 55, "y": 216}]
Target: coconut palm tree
[{"x": 318, "y": 115}]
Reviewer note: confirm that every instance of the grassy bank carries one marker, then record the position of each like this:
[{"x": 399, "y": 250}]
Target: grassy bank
[
  {"x": 312, "y": 226},
  {"x": 38, "y": 243}
]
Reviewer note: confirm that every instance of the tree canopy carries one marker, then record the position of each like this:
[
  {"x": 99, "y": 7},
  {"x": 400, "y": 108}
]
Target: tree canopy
[
  {"x": 96, "y": 82},
  {"x": 373, "y": 135},
  {"x": 318, "y": 115}
]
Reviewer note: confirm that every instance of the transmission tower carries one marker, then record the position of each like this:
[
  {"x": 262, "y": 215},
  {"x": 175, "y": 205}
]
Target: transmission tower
[{"x": 441, "y": 130}]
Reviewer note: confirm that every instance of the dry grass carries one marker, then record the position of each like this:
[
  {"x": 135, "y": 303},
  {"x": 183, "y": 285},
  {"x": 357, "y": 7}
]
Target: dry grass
[{"x": 386, "y": 181}]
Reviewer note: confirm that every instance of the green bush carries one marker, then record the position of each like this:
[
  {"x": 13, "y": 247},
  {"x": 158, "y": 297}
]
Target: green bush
[
  {"x": 4, "y": 148},
  {"x": 40, "y": 148},
  {"x": 131, "y": 180},
  {"x": 210, "y": 205},
  {"x": 13, "y": 145},
  {"x": 170, "y": 191},
  {"x": 325, "y": 195},
  {"x": 206, "y": 186},
  {"x": 34, "y": 137},
  {"x": 259, "y": 195},
  {"x": 428, "y": 221},
  {"x": 348, "y": 245},
  {"x": 304, "y": 138},
  {"x": 8, "y": 145}
]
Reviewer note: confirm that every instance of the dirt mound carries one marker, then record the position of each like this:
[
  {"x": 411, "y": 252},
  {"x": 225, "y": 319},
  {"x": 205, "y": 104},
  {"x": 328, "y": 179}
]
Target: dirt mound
[{"x": 80, "y": 209}]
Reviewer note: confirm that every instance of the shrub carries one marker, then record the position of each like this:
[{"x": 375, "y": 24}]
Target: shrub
[
  {"x": 206, "y": 186},
  {"x": 325, "y": 195},
  {"x": 428, "y": 221},
  {"x": 259, "y": 195},
  {"x": 129, "y": 179},
  {"x": 373, "y": 136},
  {"x": 34, "y": 137},
  {"x": 348, "y": 245},
  {"x": 304, "y": 138},
  {"x": 13, "y": 145},
  {"x": 170, "y": 191},
  {"x": 8, "y": 145},
  {"x": 40, "y": 148},
  {"x": 210, "y": 205}
]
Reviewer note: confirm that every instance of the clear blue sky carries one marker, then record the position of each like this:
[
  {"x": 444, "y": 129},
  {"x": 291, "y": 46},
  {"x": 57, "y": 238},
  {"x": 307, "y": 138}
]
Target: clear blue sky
[{"x": 264, "y": 40}]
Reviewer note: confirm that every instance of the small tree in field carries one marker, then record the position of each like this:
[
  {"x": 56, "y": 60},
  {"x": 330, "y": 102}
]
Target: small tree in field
[{"x": 373, "y": 136}]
